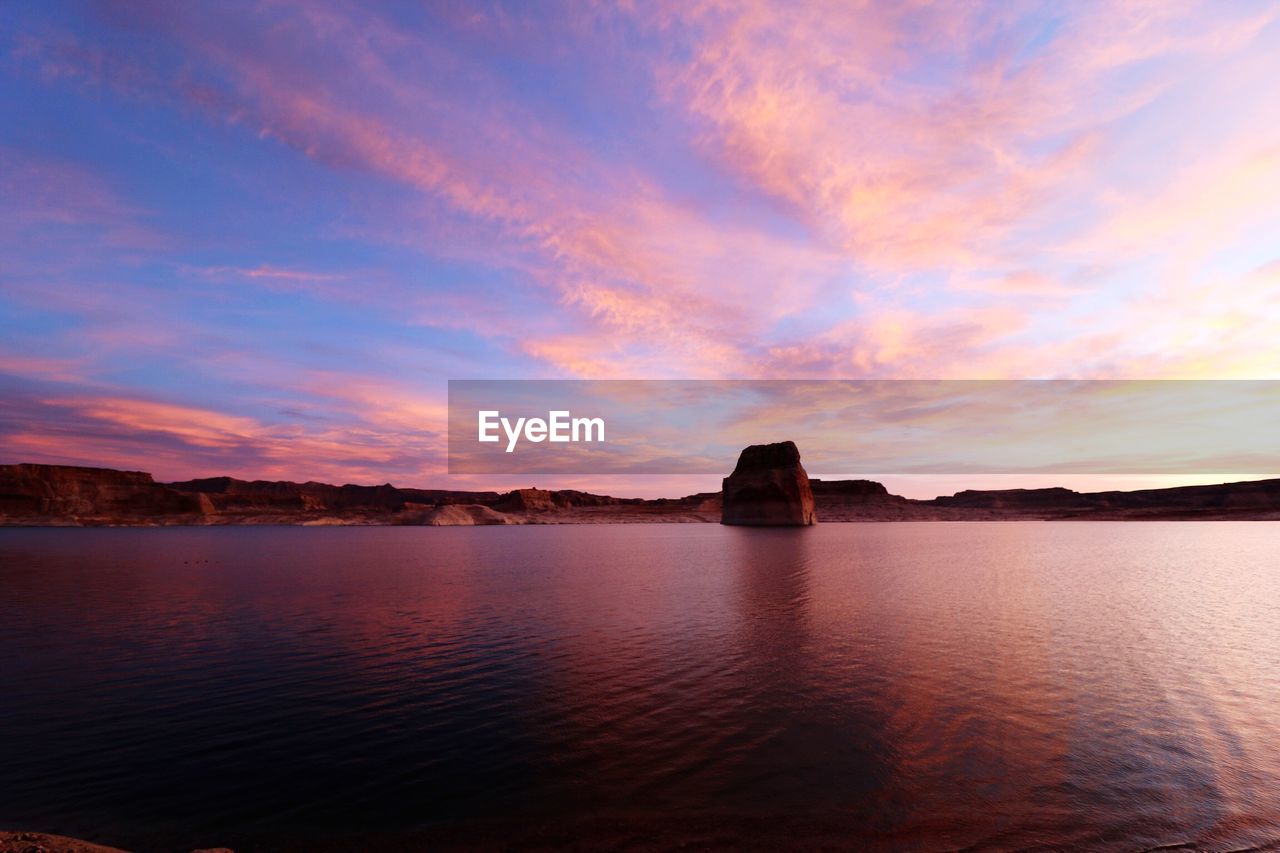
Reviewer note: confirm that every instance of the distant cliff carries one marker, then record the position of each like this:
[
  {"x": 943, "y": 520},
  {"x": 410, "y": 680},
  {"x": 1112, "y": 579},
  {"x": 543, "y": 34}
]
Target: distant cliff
[
  {"x": 229, "y": 495},
  {"x": 1251, "y": 499},
  {"x": 66, "y": 493},
  {"x": 46, "y": 495}
]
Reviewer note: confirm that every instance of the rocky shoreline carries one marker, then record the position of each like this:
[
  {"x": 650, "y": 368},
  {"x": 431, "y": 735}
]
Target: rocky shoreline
[{"x": 69, "y": 496}]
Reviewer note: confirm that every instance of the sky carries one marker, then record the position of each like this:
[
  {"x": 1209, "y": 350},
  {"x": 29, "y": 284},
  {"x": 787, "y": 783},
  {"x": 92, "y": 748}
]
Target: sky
[{"x": 257, "y": 238}]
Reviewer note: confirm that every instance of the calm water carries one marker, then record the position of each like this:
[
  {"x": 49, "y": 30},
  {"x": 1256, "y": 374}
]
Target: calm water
[{"x": 916, "y": 686}]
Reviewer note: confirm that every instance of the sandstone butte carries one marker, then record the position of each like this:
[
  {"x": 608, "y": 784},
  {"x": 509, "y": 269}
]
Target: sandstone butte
[{"x": 768, "y": 487}]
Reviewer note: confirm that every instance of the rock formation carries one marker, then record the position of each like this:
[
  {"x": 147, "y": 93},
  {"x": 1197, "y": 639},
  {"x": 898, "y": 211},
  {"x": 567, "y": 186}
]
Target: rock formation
[
  {"x": 540, "y": 500},
  {"x": 71, "y": 492},
  {"x": 769, "y": 486},
  {"x": 229, "y": 495},
  {"x": 42, "y": 842},
  {"x": 453, "y": 515},
  {"x": 528, "y": 500}
]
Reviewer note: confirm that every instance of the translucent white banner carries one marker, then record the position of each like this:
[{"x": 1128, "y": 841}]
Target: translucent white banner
[{"x": 866, "y": 426}]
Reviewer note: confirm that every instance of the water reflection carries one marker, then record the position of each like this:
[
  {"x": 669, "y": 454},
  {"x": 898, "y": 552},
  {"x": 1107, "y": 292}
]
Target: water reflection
[
  {"x": 798, "y": 721},
  {"x": 924, "y": 686}
]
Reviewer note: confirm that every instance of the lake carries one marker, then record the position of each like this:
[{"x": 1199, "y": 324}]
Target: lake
[{"x": 926, "y": 686}]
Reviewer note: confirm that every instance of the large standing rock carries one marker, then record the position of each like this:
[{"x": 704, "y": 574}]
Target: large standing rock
[{"x": 768, "y": 487}]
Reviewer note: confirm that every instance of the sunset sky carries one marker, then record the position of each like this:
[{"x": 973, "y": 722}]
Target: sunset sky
[{"x": 258, "y": 238}]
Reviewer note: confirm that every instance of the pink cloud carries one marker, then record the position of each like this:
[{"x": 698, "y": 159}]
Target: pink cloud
[
  {"x": 1023, "y": 282},
  {"x": 897, "y": 190},
  {"x": 47, "y": 199},
  {"x": 625, "y": 259},
  {"x": 825, "y": 110},
  {"x": 272, "y": 273},
  {"x": 818, "y": 107},
  {"x": 898, "y": 343},
  {"x": 176, "y": 441}
]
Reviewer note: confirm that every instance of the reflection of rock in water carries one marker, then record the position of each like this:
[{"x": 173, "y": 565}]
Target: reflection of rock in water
[
  {"x": 803, "y": 718},
  {"x": 769, "y": 486},
  {"x": 772, "y": 574}
]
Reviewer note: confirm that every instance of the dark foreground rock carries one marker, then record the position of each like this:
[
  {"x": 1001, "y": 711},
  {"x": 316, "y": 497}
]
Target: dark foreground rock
[
  {"x": 42, "y": 842},
  {"x": 768, "y": 487}
]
